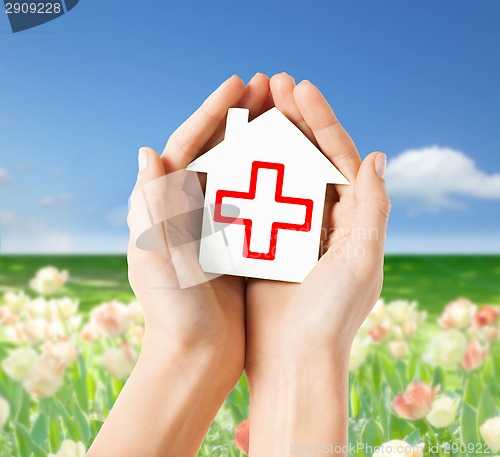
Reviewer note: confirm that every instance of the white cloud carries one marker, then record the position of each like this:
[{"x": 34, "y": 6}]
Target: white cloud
[
  {"x": 4, "y": 177},
  {"x": 55, "y": 201},
  {"x": 435, "y": 178}
]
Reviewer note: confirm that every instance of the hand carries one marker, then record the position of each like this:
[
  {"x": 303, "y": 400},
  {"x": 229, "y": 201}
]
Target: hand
[
  {"x": 299, "y": 335},
  {"x": 194, "y": 342},
  {"x": 209, "y": 317}
]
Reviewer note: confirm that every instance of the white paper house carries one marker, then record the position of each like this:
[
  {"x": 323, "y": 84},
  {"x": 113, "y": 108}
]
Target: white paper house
[{"x": 265, "y": 189}]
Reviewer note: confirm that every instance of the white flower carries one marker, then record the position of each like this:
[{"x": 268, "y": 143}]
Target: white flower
[
  {"x": 70, "y": 449},
  {"x": 458, "y": 314},
  {"x": 64, "y": 308},
  {"x": 63, "y": 350},
  {"x": 59, "y": 327},
  {"x": 39, "y": 307},
  {"x": 443, "y": 412},
  {"x": 19, "y": 363},
  {"x": 16, "y": 301},
  {"x": 359, "y": 352},
  {"x": 490, "y": 431},
  {"x": 36, "y": 330},
  {"x": 136, "y": 313},
  {"x": 119, "y": 362},
  {"x": 400, "y": 311},
  {"x": 377, "y": 314},
  {"x": 15, "y": 333},
  {"x": 417, "y": 317},
  {"x": 398, "y": 349},
  {"x": 397, "y": 448},
  {"x": 45, "y": 378},
  {"x": 447, "y": 349},
  {"x": 4, "y": 411},
  {"x": 48, "y": 280},
  {"x": 112, "y": 319}
]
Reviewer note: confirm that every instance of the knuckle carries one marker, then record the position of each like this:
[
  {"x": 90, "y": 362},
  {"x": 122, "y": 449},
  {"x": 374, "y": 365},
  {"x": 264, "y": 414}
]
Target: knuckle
[{"x": 385, "y": 207}]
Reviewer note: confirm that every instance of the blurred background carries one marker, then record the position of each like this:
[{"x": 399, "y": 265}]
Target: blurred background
[{"x": 78, "y": 97}]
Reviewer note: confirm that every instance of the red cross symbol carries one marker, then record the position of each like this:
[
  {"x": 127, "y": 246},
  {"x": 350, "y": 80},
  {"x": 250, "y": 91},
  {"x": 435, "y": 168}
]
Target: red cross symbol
[{"x": 257, "y": 203}]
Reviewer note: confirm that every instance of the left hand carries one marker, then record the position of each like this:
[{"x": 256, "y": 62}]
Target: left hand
[
  {"x": 299, "y": 335},
  {"x": 327, "y": 309}
]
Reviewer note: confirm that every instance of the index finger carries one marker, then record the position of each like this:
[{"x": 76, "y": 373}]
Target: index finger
[
  {"x": 333, "y": 140},
  {"x": 186, "y": 142}
]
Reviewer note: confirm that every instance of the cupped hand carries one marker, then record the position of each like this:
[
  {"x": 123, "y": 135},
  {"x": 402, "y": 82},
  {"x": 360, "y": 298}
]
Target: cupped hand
[
  {"x": 322, "y": 315},
  {"x": 208, "y": 318}
]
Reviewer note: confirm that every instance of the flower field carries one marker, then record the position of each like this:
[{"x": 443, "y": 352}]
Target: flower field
[{"x": 424, "y": 368}]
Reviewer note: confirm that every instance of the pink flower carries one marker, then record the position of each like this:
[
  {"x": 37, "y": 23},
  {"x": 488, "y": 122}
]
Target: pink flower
[
  {"x": 474, "y": 357},
  {"x": 416, "y": 401},
  {"x": 112, "y": 319},
  {"x": 409, "y": 328},
  {"x": 45, "y": 378},
  {"x": 63, "y": 350},
  {"x": 7, "y": 317},
  {"x": 379, "y": 333},
  {"x": 486, "y": 315},
  {"x": 242, "y": 436}
]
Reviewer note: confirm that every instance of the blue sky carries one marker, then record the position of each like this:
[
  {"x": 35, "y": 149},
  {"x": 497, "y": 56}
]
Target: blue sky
[{"x": 80, "y": 94}]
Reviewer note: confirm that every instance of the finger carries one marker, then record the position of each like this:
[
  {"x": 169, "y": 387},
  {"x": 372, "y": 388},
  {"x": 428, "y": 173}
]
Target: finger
[
  {"x": 253, "y": 98},
  {"x": 255, "y": 94},
  {"x": 371, "y": 206},
  {"x": 150, "y": 166},
  {"x": 268, "y": 103},
  {"x": 333, "y": 140},
  {"x": 140, "y": 214},
  {"x": 282, "y": 86},
  {"x": 185, "y": 143}
]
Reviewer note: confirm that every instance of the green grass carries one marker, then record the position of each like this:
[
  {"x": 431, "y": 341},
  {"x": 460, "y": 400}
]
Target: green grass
[
  {"x": 431, "y": 280},
  {"x": 436, "y": 280},
  {"x": 93, "y": 278}
]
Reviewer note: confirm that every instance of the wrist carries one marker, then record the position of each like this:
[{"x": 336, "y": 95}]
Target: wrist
[
  {"x": 200, "y": 362},
  {"x": 291, "y": 361},
  {"x": 298, "y": 402}
]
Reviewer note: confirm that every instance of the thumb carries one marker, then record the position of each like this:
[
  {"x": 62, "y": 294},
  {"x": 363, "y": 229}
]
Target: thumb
[{"x": 372, "y": 204}]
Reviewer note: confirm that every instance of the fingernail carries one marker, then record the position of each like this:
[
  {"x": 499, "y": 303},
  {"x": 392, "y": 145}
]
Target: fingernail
[
  {"x": 380, "y": 163},
  {"x": 143, "y": 159}
]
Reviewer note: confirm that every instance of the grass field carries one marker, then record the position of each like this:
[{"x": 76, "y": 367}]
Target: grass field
[
  {"x": 38, "y": 426},
  {"x": 431, "y": 280}
]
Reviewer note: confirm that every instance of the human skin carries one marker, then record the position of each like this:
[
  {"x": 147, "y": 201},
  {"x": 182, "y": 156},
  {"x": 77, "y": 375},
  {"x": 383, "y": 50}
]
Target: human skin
[
  {"x": 292, "y": 339},
  {"x": 298, "y": 336},
  {"x": 194, "y": 342}
]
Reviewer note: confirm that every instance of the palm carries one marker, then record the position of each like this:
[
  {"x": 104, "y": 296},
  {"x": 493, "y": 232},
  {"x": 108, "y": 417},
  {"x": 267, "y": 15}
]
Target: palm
[
  {"x": 210, "y": 315},
  {"x": 320, "y": 308}
]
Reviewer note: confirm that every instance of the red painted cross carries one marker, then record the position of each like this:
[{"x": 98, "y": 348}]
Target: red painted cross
[{"x": 263, "y": 215}]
